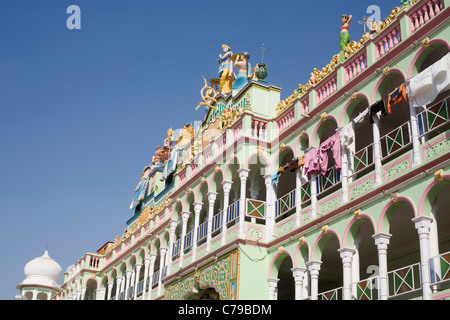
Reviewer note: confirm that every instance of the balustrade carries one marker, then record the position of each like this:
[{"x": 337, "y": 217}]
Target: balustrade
[
  {"x": 424, "y": 13},
  {"x": 259, "y": 130},
  {"x": 285, "y": 122},
  {"x": 326, "y": 90},
  {"x": 387, "y": 41},
  {"x": 356, "y": 66}
]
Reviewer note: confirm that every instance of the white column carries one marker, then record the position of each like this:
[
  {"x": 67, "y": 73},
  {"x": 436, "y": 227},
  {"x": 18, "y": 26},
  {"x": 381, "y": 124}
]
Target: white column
[
  {"x": 243, "y": 176},
  {"x": 226, "y": 200},
  {"x": 127, "y": 285},
  {"x": 298, "y": 195},
  {"x": 110, "y": 286},
  {"x": 414, "y": 135},
  {"x": 313, "y": 187},
  {"x": 137, "y": 274},
  {"x": 173, "y": 226},
  {"x": 314, "y": 268},
  {"x": 83, "y": 291},
  {"x": 273, "y": 292},
  {"x": 100, "y": 294},
  {"x": 270, "y": 207},
  {"x": 434, "y": 246},
  {"x": 344, "y": 173},
  {"x": 184, "y": 217},
  {"x": 162, "y": 252},
  {"x": 118, "y": 286},
  {"x": 122, "y": 287},
  {"x": 146, "y": 266},
  {"x": 423, "y": 224},
  {"x": 382, "y": 242},
  {"x": 299, "y": 276},
  {"x": 197, "y": 210},
  {"x": 347, "y": 257},
  {"x": 151, "y": 271},
  {"x": 211, "y": 200},
  {"x": 376, "y": 149}
]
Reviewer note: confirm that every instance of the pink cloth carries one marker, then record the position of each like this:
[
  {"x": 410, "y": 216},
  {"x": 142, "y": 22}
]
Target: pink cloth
[
  {"x": 312, "y": 161},
  {"x": 333, "y": 143},
  {"x": 317, "y": 158}
]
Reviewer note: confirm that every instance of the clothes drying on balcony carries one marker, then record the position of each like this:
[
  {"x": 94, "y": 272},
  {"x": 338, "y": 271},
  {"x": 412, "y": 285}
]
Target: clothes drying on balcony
[
  {"x": 396, "y": 96},
  {"x": 375, "y": 108},
  {"x": 427, "y": 85},
  {"x": 316, "y": 159}
]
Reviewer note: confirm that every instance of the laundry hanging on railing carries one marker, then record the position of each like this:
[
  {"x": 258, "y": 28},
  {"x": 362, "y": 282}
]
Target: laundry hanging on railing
[
  {"x": 292, "y": 166},
  {"x": 396, "y": 96},
  {"x": 312, "y": 161},
  {"x": 424, "y": 88},
  {"x": 316, "y": 159},
  {"x": 375, "y": 108}
]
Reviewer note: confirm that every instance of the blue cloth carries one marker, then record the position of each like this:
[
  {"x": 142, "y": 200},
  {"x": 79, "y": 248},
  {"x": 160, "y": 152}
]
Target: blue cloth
[{"x": 274, "y": 177}]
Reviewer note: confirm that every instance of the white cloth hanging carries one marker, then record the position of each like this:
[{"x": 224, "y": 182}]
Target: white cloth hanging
[{"x": 427, "y": 85}]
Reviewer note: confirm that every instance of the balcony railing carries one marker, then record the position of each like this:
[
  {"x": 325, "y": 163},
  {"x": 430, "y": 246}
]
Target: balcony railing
[
  {"x": 176, "y": 249},
  {"x": 433, "y": 118},
  {"x": 331, "y": 178},
  {"x": 363, "y": 158},
  {"x": 216, "y": 222},
  {"x": 202, "y": 231},
  {"x": 233, "y": 212},
  {"x": 396, "y": 140},
  {"x": 404, "y": 280},
  {"x": 188, "y": 240},
  {"x": 285, "y": 204},
  {"x": 440, "y": 269}
]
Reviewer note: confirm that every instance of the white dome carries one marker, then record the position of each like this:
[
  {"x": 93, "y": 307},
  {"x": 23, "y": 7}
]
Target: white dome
[{"x": 43, "y": 271}]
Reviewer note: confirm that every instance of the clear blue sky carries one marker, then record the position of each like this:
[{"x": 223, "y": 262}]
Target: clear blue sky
[{"x": 82, "y": 110}]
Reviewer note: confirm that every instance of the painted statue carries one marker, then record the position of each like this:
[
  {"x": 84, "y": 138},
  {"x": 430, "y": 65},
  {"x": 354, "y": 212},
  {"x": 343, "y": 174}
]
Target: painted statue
[
  {"x": 169, "y": 139},
  {"x": 345, "y": 36},
  {"x": 225, "y": 70},
  {"x": 241, "y": 62},
  {"x": 141, "y": 188}
]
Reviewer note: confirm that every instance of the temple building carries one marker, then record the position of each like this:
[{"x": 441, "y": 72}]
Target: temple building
[{"x": 341, "y": 191}]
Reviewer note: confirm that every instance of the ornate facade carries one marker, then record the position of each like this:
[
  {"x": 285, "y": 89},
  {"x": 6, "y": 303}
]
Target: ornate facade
[{"x": 338, "y": 192}]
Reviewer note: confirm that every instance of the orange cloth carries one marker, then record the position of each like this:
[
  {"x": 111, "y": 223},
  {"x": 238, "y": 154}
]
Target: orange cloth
[{"x": 396, "y": 96}]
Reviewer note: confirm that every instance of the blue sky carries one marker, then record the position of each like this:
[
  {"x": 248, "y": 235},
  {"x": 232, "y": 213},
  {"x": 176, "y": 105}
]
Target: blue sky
[{"x": 82, "y": 110}]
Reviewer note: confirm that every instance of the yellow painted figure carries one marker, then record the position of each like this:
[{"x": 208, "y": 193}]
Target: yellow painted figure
[{"x": 225, "y": 70}]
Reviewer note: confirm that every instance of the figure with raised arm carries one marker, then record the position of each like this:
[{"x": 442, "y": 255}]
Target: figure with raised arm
[
  {"x": 225, "y": 70},
  {"x": 345, "y": 36},
  {"x": 241, "y": 62}
]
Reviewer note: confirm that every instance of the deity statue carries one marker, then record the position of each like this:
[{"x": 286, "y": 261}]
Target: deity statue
[
  {"x": 345, "y": 36},
  {"x": 141, "y": 188},
  {"x": 225, "y": 70},
  {"x": 169, "y": 139},
  {"x": 241, "y": 62}
]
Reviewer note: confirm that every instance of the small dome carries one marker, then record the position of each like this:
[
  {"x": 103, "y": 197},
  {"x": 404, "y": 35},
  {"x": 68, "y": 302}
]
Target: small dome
[{"x": 43, "y": 270}]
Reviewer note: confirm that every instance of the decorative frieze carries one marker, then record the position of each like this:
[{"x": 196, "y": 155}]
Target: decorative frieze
[
  {"x": 397, "y": 168},
  {"x": 362, "y": 187}
]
